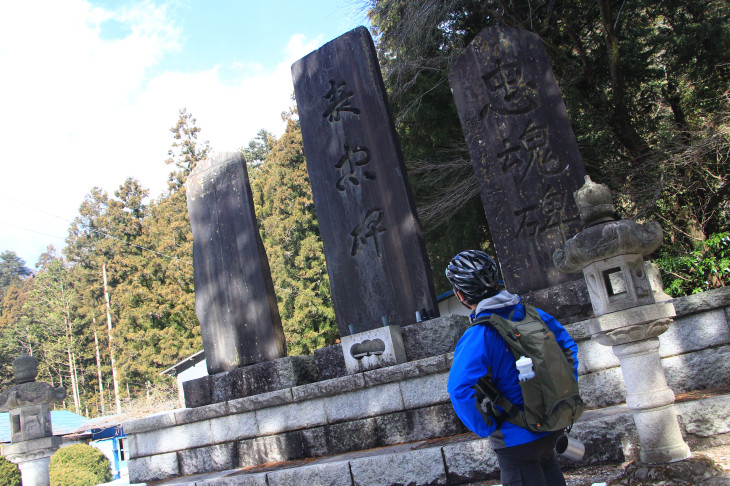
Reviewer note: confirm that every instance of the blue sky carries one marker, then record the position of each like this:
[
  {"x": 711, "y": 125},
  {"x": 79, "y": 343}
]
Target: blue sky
[{"x": 90, "y": 90}]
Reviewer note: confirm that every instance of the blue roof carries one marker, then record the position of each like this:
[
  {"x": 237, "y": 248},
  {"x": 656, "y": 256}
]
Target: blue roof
[{"x": 63, "y": 422}]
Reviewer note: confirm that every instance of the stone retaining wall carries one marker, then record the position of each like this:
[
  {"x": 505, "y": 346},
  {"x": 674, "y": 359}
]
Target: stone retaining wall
[{"x": 398, "y": 404}]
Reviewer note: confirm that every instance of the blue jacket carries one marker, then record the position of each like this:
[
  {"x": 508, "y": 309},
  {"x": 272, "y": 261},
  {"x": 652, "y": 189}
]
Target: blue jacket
[{"x": 481, "y": 347}]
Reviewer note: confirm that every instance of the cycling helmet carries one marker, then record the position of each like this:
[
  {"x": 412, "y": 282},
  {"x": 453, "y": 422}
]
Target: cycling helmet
[{"x": 474, "y": 274}]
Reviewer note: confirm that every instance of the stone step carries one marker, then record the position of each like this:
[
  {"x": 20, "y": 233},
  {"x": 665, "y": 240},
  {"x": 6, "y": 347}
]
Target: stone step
[{"x": 609, "y": 435}]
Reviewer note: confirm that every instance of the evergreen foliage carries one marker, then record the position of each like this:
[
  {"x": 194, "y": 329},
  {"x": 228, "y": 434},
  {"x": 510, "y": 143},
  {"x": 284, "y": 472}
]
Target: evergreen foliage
[
  {"x": 289, "y": 230},
  {"x": 9, "y": 473},
  {"x": 79, "y": 465}
]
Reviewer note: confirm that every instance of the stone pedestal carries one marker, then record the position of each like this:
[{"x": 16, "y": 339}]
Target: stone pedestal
[
  {"x": 33, "y": 458},
  {"x": 373, "y": 349}
]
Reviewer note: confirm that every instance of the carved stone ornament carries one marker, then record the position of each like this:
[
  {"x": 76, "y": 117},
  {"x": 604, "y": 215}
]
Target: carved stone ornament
[
  {"x": 632, "y": 333},
  {"x": 25, "y": 369},
  {"x": 30, "y": 394},
  {"x": 608, "y": 240},
  {"x": 594, "y": 203}
]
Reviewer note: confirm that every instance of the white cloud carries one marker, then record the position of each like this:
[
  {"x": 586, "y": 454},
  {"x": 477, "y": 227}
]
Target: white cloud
[{"x": 80, "y": 110}]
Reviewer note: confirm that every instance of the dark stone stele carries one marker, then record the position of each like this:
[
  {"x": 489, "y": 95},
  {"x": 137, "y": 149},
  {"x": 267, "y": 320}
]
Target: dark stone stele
[
  {"x": 524, "y": 152},
  {"x": 234, "y": 294},
  {"x": 373, "y": 245}
]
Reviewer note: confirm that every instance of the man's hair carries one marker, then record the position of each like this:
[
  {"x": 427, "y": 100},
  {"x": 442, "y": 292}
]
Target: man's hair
[{"x": 474, "y": 274}]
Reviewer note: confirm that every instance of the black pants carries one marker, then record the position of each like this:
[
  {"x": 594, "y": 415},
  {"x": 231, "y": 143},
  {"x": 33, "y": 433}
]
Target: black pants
[{"x": 531, "y": 464}]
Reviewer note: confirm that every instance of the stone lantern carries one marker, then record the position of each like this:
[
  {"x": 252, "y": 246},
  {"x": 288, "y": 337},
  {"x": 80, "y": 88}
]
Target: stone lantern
[
  {"x": 32, "y": 441},
  {"x": 630, "y": 313}
]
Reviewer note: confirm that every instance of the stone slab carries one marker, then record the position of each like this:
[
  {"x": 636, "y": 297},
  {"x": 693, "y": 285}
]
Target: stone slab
[
  {"x": 271, "y": 448},
  {"x": 293, "y": 416},
  {"x": 329, "y": 387},
  {"x": 368, "y": 402},
  {"x": 154, "y": 468},
  {"x": 234, "y": 294},
  {"x": 188, "y": 436},
  {"x": 197, "y": 392},
  {"x": 376, "y": 256},
  {"x": 425, "y": 390},
  {"x": 218, "y": 457},
  {"x": 412, "y": 467},
  {"x": 702, "y": 302},
  {"x": 433, "y": 337},
  {"x": 470, "y": 461},
  {"x": 190, "y": 415},
  {"x": 247, "y": 479},
  {"x": 412, "y": 369},
  {"x": 568, "y": 302},
  {"x": 695, "y": 332},
  {"x": 330, "y": 362},
  {"x": 328, "y": 474},
  {"x": 525, "y": 156},
  {"x": 234, "y": 427},
  {"x": 264, "y": 400},
  {"x": 709, "y": 368},
  {"x": 419, "y": 424},
  {"x": 372, "y": 349}
]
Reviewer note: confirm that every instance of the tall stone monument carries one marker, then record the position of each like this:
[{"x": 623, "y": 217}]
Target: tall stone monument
[
  {"x": 32, "y": 442},
  {"x": 376, "y": 259},
  {"x": 234, "y": 295},
  {"x": 524, "y": 153}
]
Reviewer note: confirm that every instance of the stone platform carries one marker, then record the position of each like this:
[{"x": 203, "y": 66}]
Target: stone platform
[{"x": 407, "y": 404}]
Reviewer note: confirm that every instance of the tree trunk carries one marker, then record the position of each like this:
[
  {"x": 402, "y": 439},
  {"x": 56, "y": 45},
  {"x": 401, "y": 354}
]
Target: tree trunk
[
  {"x": 98, "y": 369},
  {"x": 111, "y": 344}
]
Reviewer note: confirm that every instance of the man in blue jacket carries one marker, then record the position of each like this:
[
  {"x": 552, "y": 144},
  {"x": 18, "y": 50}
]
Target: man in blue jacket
[{"x": 525, "y": 458}]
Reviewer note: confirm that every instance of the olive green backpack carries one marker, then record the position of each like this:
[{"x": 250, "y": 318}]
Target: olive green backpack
[{"x": 551, "y": 398}]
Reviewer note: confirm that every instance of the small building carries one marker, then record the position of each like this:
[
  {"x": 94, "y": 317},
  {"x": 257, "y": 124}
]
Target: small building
[{"x": 188, "y": 369}]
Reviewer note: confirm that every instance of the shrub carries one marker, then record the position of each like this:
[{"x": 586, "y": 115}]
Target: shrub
[
  {"x": 79, "y": 465},
  {"x": 9, "y": 473},
  {"x": 704, "y": 268}
]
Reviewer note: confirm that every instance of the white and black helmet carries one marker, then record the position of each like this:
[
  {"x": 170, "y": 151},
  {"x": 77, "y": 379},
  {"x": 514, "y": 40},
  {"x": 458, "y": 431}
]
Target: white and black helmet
[{"x": 475, "y": 274}]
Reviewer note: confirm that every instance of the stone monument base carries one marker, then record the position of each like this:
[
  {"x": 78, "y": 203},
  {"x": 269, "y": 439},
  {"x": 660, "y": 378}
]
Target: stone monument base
[
  {"x": 697, "y": 470},
  {"x": 251, "y": 380}
]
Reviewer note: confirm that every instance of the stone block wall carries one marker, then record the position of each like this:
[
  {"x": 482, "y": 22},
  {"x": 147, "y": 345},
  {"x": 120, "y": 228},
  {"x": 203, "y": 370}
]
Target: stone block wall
[{"x": 404, "y": 403}]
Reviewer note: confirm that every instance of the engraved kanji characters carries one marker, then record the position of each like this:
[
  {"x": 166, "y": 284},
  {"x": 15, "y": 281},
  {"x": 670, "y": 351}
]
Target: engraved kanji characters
[
  {"x": 371, "y": 227},
  {"x": 353, "y": 158},
  {"x": 547, "y": 213},
  {"x": 339, "y": 99},
  {"x": 509, "y": 93},
  {"x": 530, "y": 150}
]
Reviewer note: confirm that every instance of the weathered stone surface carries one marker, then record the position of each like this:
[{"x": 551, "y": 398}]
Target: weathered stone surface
[
  {"x": 568, "y": 302},
  {"x": 154, "y": 422},
  {"x": 293, "y": 416},
  {"x": 709, "y": 368},
  {"x": 602, "y": 388},
  {"x": 704, "y": 301},
  {"x": 350, "y": 436},
  {"x": 327, "y": 474},
  {"x": 330, "y": 362},
  {"x": 246, "y": 479},
  {"x": 470, "y": 461},
  {"x": 264, "y": 400},
  {"x": 607, "y": 439},
  {"x": 375, "y": 348},
  {"x": 418, "y": 424},
  {"x": 425, "y": 390},
  {"x": 433, "y": 337},
  {"x": 524, "y": 153},
  {"x": 369, "y": 402},
  {"x": 227, "y": 385},
  {"x": 197, "y": 392},
  {"x": 422, "y": 467},
  {"x": 405, "y": 371},
  {"x": 234, "y": 294},
  {"x": 593, "y": 356},
  {"x": 190, "y": 415},
  {"x": 375, "y": 252},
  {"x": 233, "y": 427},
  {"x": 153, "y": 468},
  {"x": 170, "y": 439},
  {"x": 695, "y": 332},
  {"x": 207, "y": 459},
  {"x": 329, "y": 387},
  {"x": 705, "y": 418},
  {"x": 271, "y": 448},
  {"x": 278, "y": 374}
]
